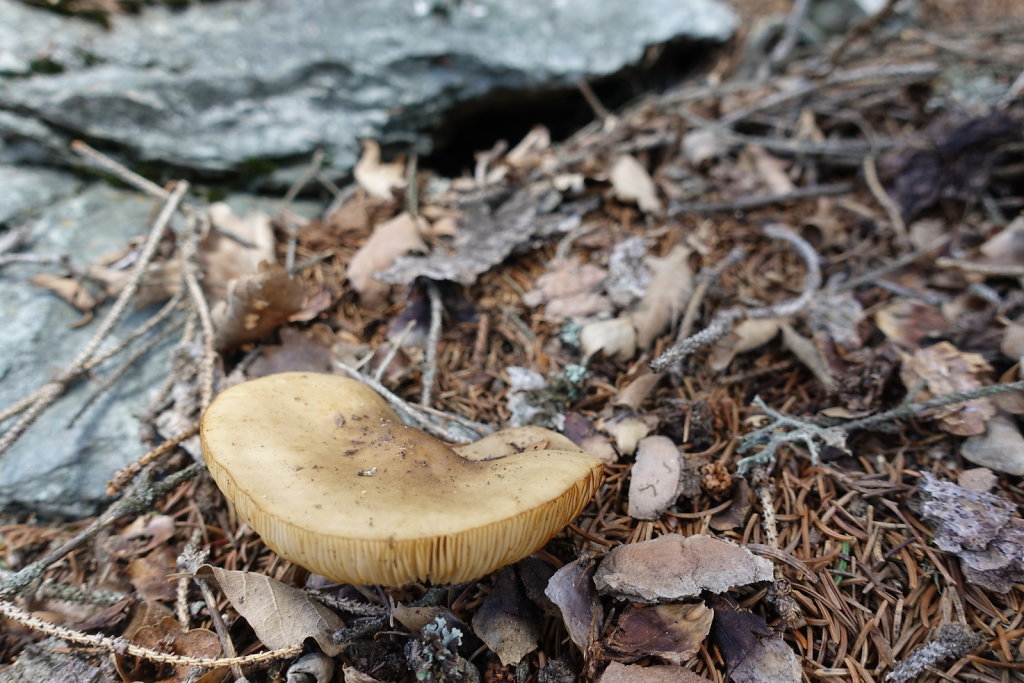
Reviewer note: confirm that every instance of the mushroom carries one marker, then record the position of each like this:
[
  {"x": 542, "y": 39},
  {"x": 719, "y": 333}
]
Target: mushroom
[{"x": 324, "y": 471}]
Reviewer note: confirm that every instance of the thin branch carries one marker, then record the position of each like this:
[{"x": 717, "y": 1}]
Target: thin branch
[
  {"x": 130, "y": 471},
  {"x": 189, "y": 255},
  {"x": 883, "y": 198},
  {"x": 744, "y": 203},
  {"x": 433, "y": 339}
]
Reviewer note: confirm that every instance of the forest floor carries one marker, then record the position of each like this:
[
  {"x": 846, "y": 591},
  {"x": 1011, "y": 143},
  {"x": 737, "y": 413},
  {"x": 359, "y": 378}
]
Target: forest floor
[{"x": 804, "y": 272}]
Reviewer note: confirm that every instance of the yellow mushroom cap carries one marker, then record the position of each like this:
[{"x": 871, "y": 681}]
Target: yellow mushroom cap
[{"x": 324, "y": 471}]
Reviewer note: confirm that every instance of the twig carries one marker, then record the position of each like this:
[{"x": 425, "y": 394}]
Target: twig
[
  {"x": 992, "y": 269},
  {"x": 69, "y": 593},
  {"x": 600, "y": 111},
  {"x": 121, "y": 171},
  {"x": 125, "y": 646},
  {"x": 724, "y": 321},
  {"x": 744, "y": 203},
  {"x": 789, "y": 36},
  {"x": 433, "y": 339},
  {"x": 49, "y": 393},
  {"x": 310, "y": 172},
  {"x": 413, "y": 415},
  {"x": 866, "y": 25},
  {"x": 705, "y": 279},
  {"x": 412, "y": 186},
  {"x": 142, "y": 498},
  {"x": 189, "y": 266},
  {"x": 872, "y": 276},
  {"x": 129, "y": 472},
  {"x": 378, "y": 374},
  {"x": 811, "y": 435},
  {"x": 883, "y": 198},
  {"x": 345, "y": 605}
]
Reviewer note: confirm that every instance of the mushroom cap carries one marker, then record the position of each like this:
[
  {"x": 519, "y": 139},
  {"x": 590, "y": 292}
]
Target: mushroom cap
[{"x": 323, "y": 470}]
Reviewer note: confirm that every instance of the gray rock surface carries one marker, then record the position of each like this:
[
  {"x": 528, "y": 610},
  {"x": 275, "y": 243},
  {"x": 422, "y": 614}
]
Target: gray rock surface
[
  {"x": 218, "y": 85},
  {"x": 55, "y": 469}
]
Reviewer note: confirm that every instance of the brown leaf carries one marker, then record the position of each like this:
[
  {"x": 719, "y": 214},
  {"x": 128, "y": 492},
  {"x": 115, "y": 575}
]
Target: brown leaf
[
  {"x": 142, "y": 535},
  {"x": 234, "y": 249},
  {"x": 628, "y": 430},
  {"x": 67, "y": 288},
  {"x": 654, "y": 478},
  {"x": 945, "y": 369},
  {"x": 673, "y": 566},
  {"x": 572, "y": 590},
  {"x": 1000, "y": 448},
  {"x": 415, "y": 618},
  {"x": 569, "y": 289},
  {"x": 982, "y": 529},
  {"x": 666, "y": 298},
  {"x": 391, "y": 239},
  {"x": 615, "y": 338},
  {"x": 167, "y": 636},
  {"x": 673, "y": 632},
  {"x": 149, "y": 575},
  {"x": 507, "y": 621},
  {"x": 634, "y": 394},
  {"x": 746, "y": 336},
  {"x": 377, "y": 179},
  {"x": 280, "y": 615},
  {"x": 300, "y": 350},
  {"x": 632, "y": 182},
  {"x": 752, "y": 651},
  {"x": 808, "y": 353},
  {"x": 909, "y": 322},
  {"x": 633, "y": 673},
  {"x": 255, "y": 306},
  {"x": 772, "y": 170}
]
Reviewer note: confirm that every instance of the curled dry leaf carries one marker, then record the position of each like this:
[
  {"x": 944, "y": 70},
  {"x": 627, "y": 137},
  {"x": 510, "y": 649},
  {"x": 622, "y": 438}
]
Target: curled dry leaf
[
  {"x": 141, "y": 536},
  {"x": 69, "y": 289},
  {"x": 634, "y": 394},
  {"x": 703, "y": 144},
  {"x": 148, "y": 575},
  {"x": 377, "y": 179},
  {"x": 753, "y": 652},
  {"x": 397, "y": 237},
  {"x": 300, "y": 350},
  {"x": 255, "y": 306},
  {"x": 313, "y": 667},
  {"x": 909, "y": 322},
  {"x": 982, "y": 529},
  {"x": 808, "y": 353},
  {"x": 1000, "y": 448},
  {"x": 945, "y": 369},
  {"x": 280, "y": 615},
  {"x": 654, "y": 477},
  {"x": 235, "y": 248},
  {"x": 167, "y": 636},
  {"x": 673, "y": 632},
  {"x": 632, "y": 183},
  {"x": 746, "y": 336},
  {"x": 571, "y": 588},
  {"x": 673, "y": 566},
  {"x": 633, "y": 673},
  {"x": 629, "y": 429},
  {"x": 507, "y": 621},
  {"x": 669, "y": 291},
  {"x": 569, "y": 289},
  {"x": 772, "y": 170}
]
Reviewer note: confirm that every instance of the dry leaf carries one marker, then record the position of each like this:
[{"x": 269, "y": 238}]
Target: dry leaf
[
  {"x": 315, "y": 665},
  {"x": 255, "y": 306},
  {"x": 701, "y": 145},
  {"x": 571, "y": 588},
  {"x": 807, "y": 352},
  {"x": 149, "y": 575},
  {"x": 142, "y": 535},
  {"x": 979, "y": 479},
  {"x": 632, "y": 182},
  {"x": 945, "y": 369},
  {"x": 280, "y": 615},
  {"x": 377, "y": 179},
  {"x": 1000, "y": 448},
  {"x": 634, "y": 394},
  {"x": 69, "y": 289},
  {"x": 633, "y": 673},
  {"x": 615, "y": 338},
  {"x": 673, "y": 566},
  {"x": 353, "y": 675},
  {"x": 234, "y": 249},
  {"x": 507, "y": 621},
  {"x": 629, "y": 430},
  {"x": 982, "y": 529},
  {"x": 569, "y": 289},
  {"x": 396, "y": 237},
  {"x": 654, "y": 478},
  {"x": 301, "y": 350},
  {"x": 666, "y": 298},
  {"x": 753, "y": 652},
  {"x": 838, "y": 315},
  {"x": 746, "y": 336},
  {"x": 167, "y": 636},
  {"x": 908, "y": 322},
  {"x": 672, "y": 632},
  {"x": 772, "y": 171},
  {"x": 1012, "y": 345},
  {"x": 415, "y": 618}
]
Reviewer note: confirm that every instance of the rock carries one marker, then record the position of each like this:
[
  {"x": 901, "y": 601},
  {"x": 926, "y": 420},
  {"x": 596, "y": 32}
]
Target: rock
[
  {"x": 54, "y": 469},
  {"x": 1000, "y": 448},
  {"x": 231, "y": 86}
]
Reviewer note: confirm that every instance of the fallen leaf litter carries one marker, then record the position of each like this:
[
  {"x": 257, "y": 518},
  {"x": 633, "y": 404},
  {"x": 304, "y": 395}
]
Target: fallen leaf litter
[{"x": 858, "y": 558}]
